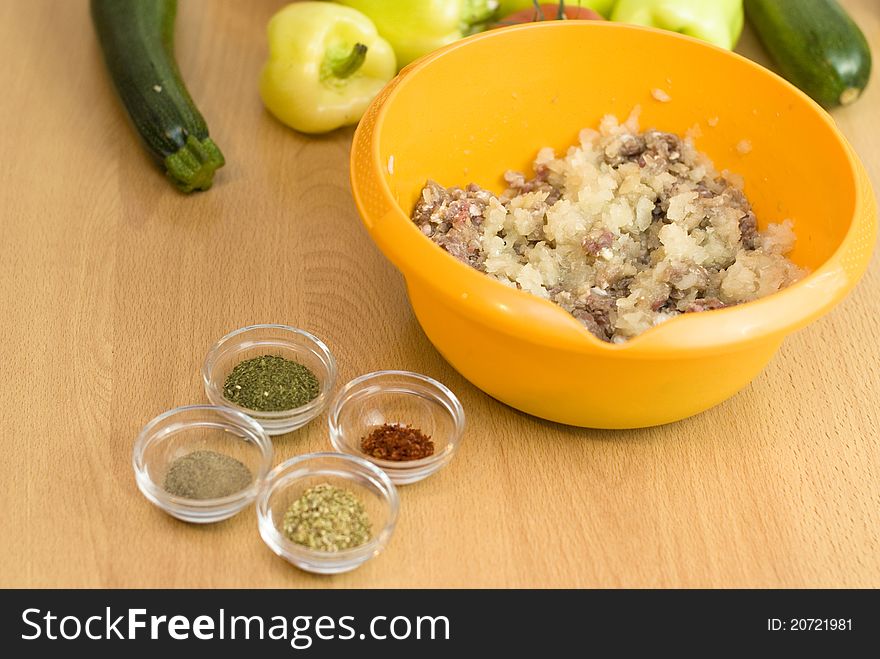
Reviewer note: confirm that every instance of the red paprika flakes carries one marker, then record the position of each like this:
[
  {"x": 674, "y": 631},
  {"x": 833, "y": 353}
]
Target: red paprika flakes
[{"x": 398, "y": 443}]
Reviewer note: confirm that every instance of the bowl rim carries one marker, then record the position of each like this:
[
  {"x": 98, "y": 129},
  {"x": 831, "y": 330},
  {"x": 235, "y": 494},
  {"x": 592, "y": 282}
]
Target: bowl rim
[
  {"x": 722, "y": 330},
  {"x": 200, "y": 507},
  {"x": 313, "y": 407},
  {"x": 446, "y": 399},
  {"x": 346, "y": 558}
]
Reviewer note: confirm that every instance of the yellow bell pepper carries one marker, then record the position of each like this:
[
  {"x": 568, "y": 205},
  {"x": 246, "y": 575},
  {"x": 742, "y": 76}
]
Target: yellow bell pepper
[
  {"x": 603, "y": 7},
  {"x": 326, "y": 63},
  {"x": 418, "y": 27},
  {"x": 717, "y": 21}
]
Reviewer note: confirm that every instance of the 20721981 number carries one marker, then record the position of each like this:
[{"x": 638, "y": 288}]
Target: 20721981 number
[{"x": 820, "y": 624}]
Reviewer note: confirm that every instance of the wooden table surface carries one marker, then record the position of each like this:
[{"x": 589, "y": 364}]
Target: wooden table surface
[{"x": 113, "y": 286}]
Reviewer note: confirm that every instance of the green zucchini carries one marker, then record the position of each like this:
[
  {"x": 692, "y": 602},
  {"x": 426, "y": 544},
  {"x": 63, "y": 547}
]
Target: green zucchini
[
  {"x": 137, "y": 41},
  {"x": 816, "y": 46}
]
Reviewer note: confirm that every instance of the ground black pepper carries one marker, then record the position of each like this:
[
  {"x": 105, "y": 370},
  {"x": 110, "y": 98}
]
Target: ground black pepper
[{"x": 206, "y": 475}]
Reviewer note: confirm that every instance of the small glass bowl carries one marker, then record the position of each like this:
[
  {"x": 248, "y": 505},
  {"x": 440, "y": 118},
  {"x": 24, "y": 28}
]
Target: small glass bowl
[
  {"x": 286, "y": 483},
  {"x": 397, "y": 397},
  {"x": 200, "y": 427},
  {"x": 281, "y": 340}
]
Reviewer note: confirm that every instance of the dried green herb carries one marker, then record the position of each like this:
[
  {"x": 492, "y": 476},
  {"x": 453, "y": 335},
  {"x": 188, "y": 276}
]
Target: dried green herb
[
  {"x": 327, "y": 518},
  {"x": 206, "y": 475},
  {"x": 270, "y": 384}
]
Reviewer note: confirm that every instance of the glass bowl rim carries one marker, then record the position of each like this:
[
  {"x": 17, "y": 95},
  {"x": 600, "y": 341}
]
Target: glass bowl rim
[
  {"x": 148, "y": 436},
  {"x": 313, "y": 407},
  {"x": 446, "y": 399},
  {"x": 351, "y": 555}
]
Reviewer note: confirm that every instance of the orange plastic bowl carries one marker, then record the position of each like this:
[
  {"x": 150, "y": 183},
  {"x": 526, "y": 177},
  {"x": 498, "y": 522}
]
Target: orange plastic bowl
[{"x": 488, "y": 103}]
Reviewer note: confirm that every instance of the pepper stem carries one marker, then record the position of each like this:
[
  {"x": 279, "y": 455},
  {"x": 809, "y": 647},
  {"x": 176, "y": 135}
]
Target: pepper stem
[{"x": 345, "y": 66}]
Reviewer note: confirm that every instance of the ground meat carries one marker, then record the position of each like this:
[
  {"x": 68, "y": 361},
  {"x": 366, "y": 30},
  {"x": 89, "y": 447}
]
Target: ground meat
[
  {"x": 663, "y": 147},
  {"x": 687, "y": 276},
  {"x": 704, "y": 190},
  {"x": 620, "y": 288},
  {"x": 705, "y": 304},
  {"x": 624, "y": 148},
  {"x": 596, "y": 312},
  {"x": 452, "y": 218},
  {"x": 652, "y": 147},
  {"x": 624, "y": 231},
  {"x": 748, "y": 230},
  {"x": 518, "y": 184},
  {"x": 597, "y": 241}
]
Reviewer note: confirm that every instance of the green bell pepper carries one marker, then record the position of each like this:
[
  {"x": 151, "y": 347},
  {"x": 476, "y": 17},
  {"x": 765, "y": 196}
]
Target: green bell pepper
[
  {"x": 417, "y": 27},
  {"x": 604, "y": 7},
  {"x": 326, "y": 63},
  {"x": 717, "y": 21}
]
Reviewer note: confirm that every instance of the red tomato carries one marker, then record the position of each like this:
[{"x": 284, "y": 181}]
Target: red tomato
[{"x": 548, "y": 12}]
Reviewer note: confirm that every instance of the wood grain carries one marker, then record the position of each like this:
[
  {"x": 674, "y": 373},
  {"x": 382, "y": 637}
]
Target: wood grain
[{"x": 113, "y": 287}]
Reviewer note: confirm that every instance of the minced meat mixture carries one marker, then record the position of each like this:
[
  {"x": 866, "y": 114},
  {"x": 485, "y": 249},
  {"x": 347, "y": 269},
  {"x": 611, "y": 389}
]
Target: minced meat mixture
[{"x": 625, "y": 231}]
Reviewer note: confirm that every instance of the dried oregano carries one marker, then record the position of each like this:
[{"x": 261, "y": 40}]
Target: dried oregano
[{"x": 327, "y": 518}]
